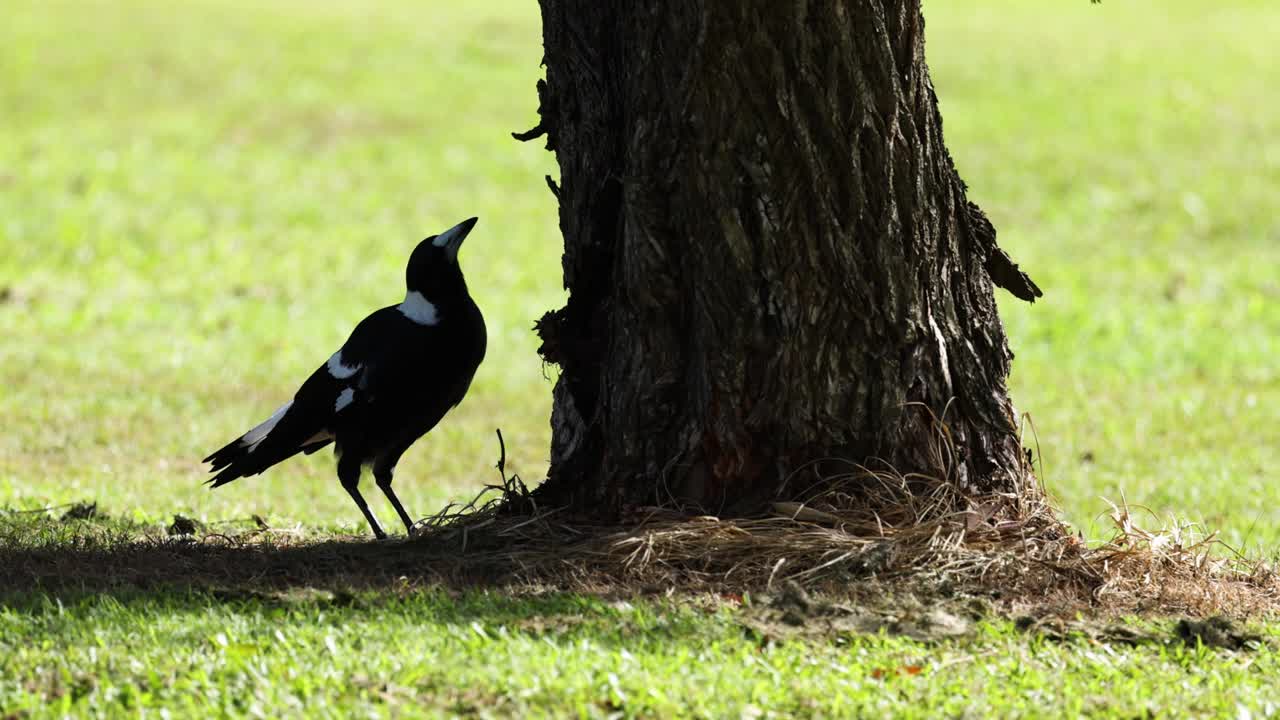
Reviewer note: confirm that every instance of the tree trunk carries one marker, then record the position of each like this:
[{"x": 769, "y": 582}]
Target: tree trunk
[{"x": 770, "y": 257}]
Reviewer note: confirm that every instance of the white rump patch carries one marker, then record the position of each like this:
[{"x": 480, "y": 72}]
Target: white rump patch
[
  {"x": 345, "y": 398},
  {"x": 259, "y": 433},
  {"x": 418, "y": 309},
  {"x": 340, "y": 370}
]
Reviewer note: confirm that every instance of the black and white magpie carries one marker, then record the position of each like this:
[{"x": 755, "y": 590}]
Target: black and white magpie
[{"x": 401, "y": 370}]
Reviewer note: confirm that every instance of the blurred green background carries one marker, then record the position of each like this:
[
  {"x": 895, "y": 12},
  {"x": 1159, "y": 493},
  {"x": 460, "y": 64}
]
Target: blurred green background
[{"x": 199, "y": 201}]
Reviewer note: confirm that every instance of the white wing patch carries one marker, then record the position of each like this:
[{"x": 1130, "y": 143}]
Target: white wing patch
[
  {"x": 345, "y": 398},
  {"x": 259, "y": 433},
  {"x": 340, "y": 370},
  {"x": 418, "y": 309}
]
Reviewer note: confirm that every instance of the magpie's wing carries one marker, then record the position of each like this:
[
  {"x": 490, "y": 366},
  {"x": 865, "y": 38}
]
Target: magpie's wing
[{"x": 338, "y": 388}]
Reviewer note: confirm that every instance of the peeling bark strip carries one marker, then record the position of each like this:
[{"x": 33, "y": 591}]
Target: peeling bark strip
[{"x": 768, "y": 252}]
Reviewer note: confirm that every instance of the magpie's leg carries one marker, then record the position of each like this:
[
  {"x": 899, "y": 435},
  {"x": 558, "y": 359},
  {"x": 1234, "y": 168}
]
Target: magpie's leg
[
  {"x": 383, "y": 476},
  {"x": 349, "y": 474}
]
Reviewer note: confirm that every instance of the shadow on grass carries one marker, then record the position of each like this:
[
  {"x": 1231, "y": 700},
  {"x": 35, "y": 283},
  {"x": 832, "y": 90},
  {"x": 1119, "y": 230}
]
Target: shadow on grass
[
  {"x": 61, "y": 573},
  {"x": 94, "y": 555},
  {"x": 88, "y": 566}
]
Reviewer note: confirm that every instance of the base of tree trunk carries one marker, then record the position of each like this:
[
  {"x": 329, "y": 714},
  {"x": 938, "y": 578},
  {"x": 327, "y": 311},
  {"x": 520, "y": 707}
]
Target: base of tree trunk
[
  {"x": 863, "y": 528},
  {"x": 1017, "y": 556}
]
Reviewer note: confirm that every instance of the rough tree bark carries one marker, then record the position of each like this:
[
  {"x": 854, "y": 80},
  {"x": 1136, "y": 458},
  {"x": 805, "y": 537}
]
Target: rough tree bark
[{"x": 769, "y": 254}]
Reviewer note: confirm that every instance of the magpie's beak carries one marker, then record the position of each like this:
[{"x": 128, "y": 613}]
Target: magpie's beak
[{"x": 452, "y": 238}]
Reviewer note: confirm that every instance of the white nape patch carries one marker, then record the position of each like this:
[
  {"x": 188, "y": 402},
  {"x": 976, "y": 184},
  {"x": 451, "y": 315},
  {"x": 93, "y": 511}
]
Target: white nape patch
[
  {"x": 418, "y": 309},
  {"x": 259, "y": 433},
  {"x": 345, "y": 398},
  {"x": 340, "y": 370}
]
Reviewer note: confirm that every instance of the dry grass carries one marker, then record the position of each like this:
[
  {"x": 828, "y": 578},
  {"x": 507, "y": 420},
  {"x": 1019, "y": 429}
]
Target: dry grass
[
  {"x": 1011, "y": 547},
  {"x": 913, "y": 531},
  {"x": 863, "y": 532}
]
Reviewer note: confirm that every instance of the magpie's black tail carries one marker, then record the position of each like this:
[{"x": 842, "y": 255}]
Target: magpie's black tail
[
  {"x": 263, "y": 446},
  {"x": 237, "y": 460},
  {"x": 230, "y": 460}
]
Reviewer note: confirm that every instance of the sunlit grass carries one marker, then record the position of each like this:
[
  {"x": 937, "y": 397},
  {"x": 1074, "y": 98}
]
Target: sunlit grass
[
  {"x": 321, "y": 654},
  {"x": 198, "y": 202},
  {"x": 1129, "y": 156},
  {"x": 198, "y": 206}
]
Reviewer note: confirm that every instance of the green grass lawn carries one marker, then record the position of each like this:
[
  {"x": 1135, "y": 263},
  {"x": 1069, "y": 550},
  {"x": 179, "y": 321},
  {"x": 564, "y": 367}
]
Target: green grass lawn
[
  {"x": 485, "y": 655},
  {"x": 198, "y": 201}
]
